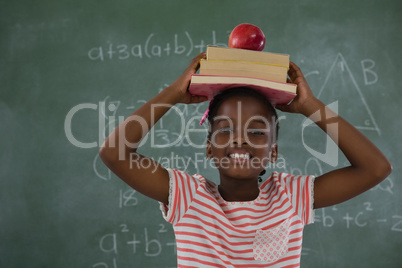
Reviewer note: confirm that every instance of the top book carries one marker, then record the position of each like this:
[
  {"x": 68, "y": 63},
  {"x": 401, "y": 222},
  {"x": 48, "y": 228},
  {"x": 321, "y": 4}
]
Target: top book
[{"x": 235, "y": 54}]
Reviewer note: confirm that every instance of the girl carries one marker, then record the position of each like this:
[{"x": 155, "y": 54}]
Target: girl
[{"x": 241, "y": 222}]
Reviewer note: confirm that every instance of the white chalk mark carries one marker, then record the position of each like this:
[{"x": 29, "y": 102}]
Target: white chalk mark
[
  {"x": 368, "y": 70},
  {"x": 310, "y": 73},
  {"x": 340, "y": 61}
]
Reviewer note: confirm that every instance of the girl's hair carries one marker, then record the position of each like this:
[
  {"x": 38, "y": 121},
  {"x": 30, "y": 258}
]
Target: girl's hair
[{"x": 240, "y": 92}]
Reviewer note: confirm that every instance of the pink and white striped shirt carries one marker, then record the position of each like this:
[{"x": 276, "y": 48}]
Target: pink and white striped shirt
[{"x": 265, "y": 232}]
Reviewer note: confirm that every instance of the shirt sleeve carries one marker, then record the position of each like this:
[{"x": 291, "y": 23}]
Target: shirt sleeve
[
  {"x": 300, "y": 190},
  {"x": 182, "y": 188}
]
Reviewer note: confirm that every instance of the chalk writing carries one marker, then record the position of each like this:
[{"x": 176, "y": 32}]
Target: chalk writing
[
  {"x": 387, "y": 185},
  {"x": 397, "y": 227},
  {"x": 100, "y": 170},
  {"x": 145, "y": 243},
  {"x": 127, "y": 198},
  {"x": 341, "y": 67},
  {"x": 105, "y": 265},
  {"x": 326, "y": 220},
  {"x": 367, "y": 67},
  {"x": 180, "y": 44},
  {"x": 360, "y": 218}
]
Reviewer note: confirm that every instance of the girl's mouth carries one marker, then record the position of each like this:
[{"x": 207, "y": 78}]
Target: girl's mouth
[{"x": 240, "y": 156}]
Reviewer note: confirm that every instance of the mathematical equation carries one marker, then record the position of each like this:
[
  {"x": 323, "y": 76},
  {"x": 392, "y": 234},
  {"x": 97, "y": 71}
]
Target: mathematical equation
[
  {"x": 146, "y": 243},
  {"x": 360, "y": 219},
  {"x": 181, "y": 44}
]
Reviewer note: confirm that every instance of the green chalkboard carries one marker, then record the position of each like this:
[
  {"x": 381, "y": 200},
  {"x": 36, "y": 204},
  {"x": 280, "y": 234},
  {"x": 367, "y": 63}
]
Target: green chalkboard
[{"x": 70, "y": 70}]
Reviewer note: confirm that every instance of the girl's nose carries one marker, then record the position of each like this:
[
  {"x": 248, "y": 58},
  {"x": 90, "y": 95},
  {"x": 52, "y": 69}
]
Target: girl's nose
[{"x": 239, "y": 138}]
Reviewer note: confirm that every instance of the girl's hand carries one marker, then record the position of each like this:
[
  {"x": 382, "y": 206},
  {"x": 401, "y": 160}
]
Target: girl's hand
[
  {"x": 179, "y": 88},
  {"x": 304, "y": 98}
]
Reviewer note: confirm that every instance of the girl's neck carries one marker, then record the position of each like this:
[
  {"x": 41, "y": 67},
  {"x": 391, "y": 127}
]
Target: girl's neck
[{"x": 239, "y": 190}]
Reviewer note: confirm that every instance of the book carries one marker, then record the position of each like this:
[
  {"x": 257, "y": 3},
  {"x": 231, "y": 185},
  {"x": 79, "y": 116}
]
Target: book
[
  {"x": 236, "y": 54},
  {"x": 242, "y": 68},
  {"x": 210, "y": 85}
]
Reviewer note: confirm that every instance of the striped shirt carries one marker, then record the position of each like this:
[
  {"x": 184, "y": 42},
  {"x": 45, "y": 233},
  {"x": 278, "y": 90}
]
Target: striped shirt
[{"x": 265, "y": 232}]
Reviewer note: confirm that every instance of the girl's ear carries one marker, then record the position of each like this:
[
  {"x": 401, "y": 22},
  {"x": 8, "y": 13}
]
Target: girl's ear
[
  {"x": 274, "y": 153},
  {"x": 209, "y": 149}
]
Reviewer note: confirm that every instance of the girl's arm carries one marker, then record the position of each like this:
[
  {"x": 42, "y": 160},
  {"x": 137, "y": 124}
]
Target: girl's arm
[
  {"x": 119, "y": 151},
  {"x": 368, "y": 166}
]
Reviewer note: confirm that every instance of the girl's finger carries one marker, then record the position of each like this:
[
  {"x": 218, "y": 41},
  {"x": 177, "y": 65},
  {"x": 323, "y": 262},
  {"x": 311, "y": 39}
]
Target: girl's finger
[{"x": 195, "y": 63}]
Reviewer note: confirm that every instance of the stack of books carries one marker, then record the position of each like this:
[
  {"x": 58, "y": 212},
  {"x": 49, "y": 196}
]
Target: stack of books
[{"x": 232, "y": 67}]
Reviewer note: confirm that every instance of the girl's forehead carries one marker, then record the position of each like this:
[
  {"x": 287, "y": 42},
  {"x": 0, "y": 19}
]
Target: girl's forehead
[{"x": 243, "y": 105}]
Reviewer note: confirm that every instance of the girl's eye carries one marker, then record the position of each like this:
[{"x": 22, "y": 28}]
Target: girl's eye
[
  {"x": 256, "y": 132},
  {"x": 225, "y": 130}
]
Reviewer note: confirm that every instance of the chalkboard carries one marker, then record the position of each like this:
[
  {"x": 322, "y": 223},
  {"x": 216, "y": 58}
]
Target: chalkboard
[{"x": 70, "y": 70}]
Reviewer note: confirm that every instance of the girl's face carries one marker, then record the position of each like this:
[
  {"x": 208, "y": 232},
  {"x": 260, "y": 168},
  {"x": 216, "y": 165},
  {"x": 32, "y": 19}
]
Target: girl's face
[{"x": 241, "y": 143}]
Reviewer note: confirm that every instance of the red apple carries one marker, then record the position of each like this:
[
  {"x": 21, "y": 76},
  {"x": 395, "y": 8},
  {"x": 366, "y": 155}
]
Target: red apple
[{"x": 247, "y": 36}]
